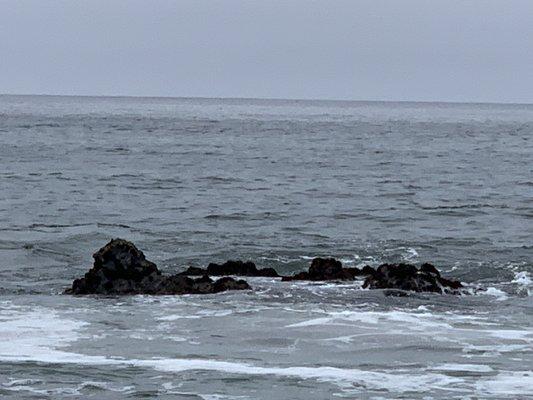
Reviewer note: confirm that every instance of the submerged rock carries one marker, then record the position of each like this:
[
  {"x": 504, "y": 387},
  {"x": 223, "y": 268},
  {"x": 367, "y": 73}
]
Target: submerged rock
[
  {"x": 120, "y": 268},
  {"x": 407, "y": 277},
  {"x": 239, "y": 268},
  {"x": 327, "y": 269}
]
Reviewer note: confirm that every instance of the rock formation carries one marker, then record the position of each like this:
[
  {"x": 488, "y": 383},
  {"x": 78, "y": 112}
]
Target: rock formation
[
  {"x": 328, "y": 269},
  {"x": 238, "y": 268},
  {"x": 407, "y": 277},
  {"x": 120, "y": 268}
]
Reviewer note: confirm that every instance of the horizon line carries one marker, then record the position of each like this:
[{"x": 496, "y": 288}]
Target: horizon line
[{"x": 332, "y": 100}]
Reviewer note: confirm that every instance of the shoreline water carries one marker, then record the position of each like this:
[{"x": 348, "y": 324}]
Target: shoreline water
[{"x": 204, "y": 181}]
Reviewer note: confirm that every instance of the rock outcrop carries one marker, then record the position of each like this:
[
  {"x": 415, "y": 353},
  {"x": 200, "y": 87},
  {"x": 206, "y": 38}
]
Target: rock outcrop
[
  {"x": 238, "y": 268},
  {"x": 404, "y": 277},
  {"x": 328, "y": 269},
  {"x": 407, "y": 277},
  {"x": 120, "y": 268}
]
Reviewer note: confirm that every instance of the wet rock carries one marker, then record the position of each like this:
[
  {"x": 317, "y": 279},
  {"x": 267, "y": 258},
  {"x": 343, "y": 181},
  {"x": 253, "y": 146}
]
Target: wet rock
[
  {"x": 300, "y": 276},
  {"x": 429, "y": 269},
  {"x": 408, "y": 277},
  {"x": 228, "y": 283},
  {"x": 179, "y": 284},
  {"x": 327, "y": 269},
  {"x": 120, "y": 268},
  {"x": 368, "y": 270},
  {"x": 238, "y": 268}
]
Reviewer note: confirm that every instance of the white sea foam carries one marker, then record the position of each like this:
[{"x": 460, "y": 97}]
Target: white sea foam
[
  {"x": 22, "y": 382},
  {"x": 44, "y": 392},
  {"x": 522, "y": 278},
  {"x": 198, "y": 315},
  {"x": 499, "y": 294},
  {"x": 35, "y": 331},
  {"x": 39, "y": 335},
  {"x": 414, "y": 321},
  {"x": 412, "y": 254},
  {"x": 463, "y": 368},
  {"x": 344, "y": 377},
  {"x": 29, "y": 385},
  {"x": 512, "y": 334},
  {"x": 496, "y": 349},
  {"x": 104, "y": 385},
  {"x": 516, "y": 383},
  {"x": 524, "y": 281}
]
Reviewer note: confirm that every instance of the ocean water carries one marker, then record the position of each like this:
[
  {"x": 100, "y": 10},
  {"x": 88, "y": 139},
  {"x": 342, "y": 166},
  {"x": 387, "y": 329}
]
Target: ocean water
[{"x": 193, "y": 181}]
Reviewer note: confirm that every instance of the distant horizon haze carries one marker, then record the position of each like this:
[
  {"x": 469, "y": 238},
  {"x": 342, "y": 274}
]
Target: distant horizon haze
[
  {"x": 332, "y": 100},
  {"x": 477, "y": 51}
]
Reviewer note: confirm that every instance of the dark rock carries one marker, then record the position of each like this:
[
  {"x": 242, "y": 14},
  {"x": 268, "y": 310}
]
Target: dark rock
[
  {"x": 408, "y": 277},
  {"x": 328, "y": 269},
  {"x": 300, "y": 276},
  {"x": 179, "y": 284},
  {"x": 368, "y": 270},
  {"x": 228, "y": 283},
  {"x": 238, "y": 268},
  {"x": 325, "y": 269},
  {"x": 268, "y": 272},
  {"x": 450, "y": 283},
  {"x": 430, "y": 269},
  {"x": 120, "y": 268},
  {"x": 231, "y": 267}
]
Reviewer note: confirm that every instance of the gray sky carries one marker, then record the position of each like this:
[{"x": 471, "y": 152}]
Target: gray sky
[{"x": 449, "y": 50}]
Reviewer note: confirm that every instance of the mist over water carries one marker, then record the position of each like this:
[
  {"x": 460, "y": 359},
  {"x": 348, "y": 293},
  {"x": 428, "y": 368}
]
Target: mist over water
[{"x": 193, "y": 181}]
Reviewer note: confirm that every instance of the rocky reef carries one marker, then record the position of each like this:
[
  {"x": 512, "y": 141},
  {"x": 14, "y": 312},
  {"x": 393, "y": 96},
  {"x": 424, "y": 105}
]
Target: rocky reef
[
  {"x": 231, "y": 267},
  {"x": 120, "y": 268},
  {"x": 408, "y": 277},
  {"x": 405, "y": 277}
]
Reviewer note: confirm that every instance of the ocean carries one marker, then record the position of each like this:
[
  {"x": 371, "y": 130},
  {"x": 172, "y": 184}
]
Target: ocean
[{"x": 278, "y": 182}]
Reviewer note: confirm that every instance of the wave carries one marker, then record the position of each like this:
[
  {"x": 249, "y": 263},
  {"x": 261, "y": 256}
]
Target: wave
[{"x": 42, "y": 335}]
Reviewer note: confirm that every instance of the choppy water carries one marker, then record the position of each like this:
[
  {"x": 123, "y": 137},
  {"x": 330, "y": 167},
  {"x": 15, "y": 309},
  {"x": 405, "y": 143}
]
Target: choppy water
[{"x": 192, "y": 181}]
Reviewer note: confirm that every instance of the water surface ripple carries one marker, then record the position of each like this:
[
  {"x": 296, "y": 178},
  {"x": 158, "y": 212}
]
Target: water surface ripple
[{"x": 193, "y": 181}]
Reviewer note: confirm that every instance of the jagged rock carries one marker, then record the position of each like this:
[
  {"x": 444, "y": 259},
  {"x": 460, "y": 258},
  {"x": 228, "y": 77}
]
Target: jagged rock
[
  {"x": 368, "y": 270},
  {"x": 120, "y": 268},
  {"x": 429, "y": 269},
  {"x": 408, "y": 277},
  {"x": 327, "y": 269},
  {"x": 238, "y": 268}
]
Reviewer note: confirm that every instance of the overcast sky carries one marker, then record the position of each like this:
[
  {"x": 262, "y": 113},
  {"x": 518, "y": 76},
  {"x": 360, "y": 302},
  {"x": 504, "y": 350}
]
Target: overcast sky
[{"x": 448, "y": 50}]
